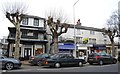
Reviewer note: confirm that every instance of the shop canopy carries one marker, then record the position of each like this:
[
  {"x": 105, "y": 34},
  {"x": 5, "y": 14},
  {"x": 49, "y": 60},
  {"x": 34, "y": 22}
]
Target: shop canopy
[
  {"x": 66, "y": 46},
  {"x": 99, "y": 46}
]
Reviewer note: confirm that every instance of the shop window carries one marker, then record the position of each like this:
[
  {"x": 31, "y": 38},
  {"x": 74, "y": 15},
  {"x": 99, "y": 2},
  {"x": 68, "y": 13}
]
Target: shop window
[
  {"x": 97, "y": 51},
  {"x": 39, "y": 51}
]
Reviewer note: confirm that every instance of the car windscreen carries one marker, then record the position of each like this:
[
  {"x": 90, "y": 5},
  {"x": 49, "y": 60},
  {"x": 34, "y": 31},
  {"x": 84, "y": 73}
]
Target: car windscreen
[
  {"x": 40, "y": 55},
  {"x": 54, "y": 56},
  {"x": 45, "y": 55},
  {"x": 92, "y": 54},
  {"x": 102, "y": 54}
]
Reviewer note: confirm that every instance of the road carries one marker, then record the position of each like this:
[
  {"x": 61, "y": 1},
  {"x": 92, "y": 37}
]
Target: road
[{"x": 85, "y": 68}]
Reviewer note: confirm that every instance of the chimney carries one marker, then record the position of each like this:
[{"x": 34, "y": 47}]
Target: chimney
[{"x": 78, "y": 22}]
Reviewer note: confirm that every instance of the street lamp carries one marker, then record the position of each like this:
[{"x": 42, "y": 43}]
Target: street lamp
[{"x": 74, "y": 26}]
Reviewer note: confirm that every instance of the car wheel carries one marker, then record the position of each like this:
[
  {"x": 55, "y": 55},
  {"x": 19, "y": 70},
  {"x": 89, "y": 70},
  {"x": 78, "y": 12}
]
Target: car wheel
[
  {"x": 101, "y": 62},
  {"x": 57, "y": 65},
  {"x": 114, "y": 61},
  {"x": 39, "y": 63},
  {"x": 80, "y": 64},
  {"x": 9, "y": 66}
]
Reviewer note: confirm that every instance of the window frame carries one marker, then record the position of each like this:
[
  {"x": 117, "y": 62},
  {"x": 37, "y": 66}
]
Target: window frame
[
  {"x": 25, "y": 21},
  {"x": 36, "y": 22}
]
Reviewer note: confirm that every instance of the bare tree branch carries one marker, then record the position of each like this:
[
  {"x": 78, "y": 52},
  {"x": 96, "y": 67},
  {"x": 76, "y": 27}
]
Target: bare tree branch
[
  {"x": 112, "y": 29},
  {"x": 56, "y": 27},
  {"x": 15, "y": 13}
]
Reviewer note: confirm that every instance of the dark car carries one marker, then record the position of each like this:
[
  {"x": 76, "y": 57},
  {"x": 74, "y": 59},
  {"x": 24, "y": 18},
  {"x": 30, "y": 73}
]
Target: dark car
[
  {"x": 36, "y": 60},
  {"x": 101, "y": 58},
  {"x": 63, "y": 59},
  {"x": 119, "y": 58},
  {"x": 9, "y": 63}
]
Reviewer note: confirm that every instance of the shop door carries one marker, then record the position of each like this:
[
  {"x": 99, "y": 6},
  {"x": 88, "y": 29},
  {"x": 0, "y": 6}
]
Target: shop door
[{"x": 27, "y": 53}]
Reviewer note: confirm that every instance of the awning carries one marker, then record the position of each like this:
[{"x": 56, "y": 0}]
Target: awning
[
  {"x": 82, "y": 48},
  {"x": 99, "y": 46},
  {"x": 67, "y": 46}
]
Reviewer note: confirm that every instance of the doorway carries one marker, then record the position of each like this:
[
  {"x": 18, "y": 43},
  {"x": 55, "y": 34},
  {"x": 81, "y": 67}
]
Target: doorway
[{"x": 27, "y": 53}]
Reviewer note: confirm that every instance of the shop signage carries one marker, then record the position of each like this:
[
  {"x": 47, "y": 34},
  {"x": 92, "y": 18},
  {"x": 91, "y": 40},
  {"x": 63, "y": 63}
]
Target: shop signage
[{"x": 85, "y": 45}]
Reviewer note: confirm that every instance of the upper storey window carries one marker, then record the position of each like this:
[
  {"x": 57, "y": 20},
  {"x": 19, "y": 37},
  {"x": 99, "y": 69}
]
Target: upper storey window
[
  {"x": 92, "y": 32},
  {"x": 25, "y": 21},
  {"x": 36, "y": 22}
]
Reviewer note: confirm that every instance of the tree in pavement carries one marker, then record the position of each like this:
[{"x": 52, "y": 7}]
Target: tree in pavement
[
  {"x": 57, "y": 25},
  {"x": 14, "y": 12},
  {"x": 112, "y": 30}
]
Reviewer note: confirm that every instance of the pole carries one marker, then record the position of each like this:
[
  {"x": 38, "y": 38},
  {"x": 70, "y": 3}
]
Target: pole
[{"x": 74, "y": 26}]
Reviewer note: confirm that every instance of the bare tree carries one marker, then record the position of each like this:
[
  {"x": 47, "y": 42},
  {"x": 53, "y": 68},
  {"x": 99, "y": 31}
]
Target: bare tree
[
  {"x": 57, "y": 25},
  {"x": 112, "y": 30},
  {"x": 14, "y": 12}
]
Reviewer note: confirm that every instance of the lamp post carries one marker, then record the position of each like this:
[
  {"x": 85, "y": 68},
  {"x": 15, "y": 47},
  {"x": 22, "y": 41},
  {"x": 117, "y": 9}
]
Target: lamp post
[{"x": 74, "y": 26}]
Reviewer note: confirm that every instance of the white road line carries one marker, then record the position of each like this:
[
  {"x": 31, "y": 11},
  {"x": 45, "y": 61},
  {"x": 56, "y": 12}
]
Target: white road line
[
  {"x": 21, "y": 70},
  {"x": 57, "y": 68},
  {"x": 49, "y": 69},
  {"x": 4, "y": 70}
]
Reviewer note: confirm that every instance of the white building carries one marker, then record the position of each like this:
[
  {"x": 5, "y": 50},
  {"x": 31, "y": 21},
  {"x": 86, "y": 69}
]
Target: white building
[
  {"x": 33, "y": 40},
  {"x": 96, "y": 40}
]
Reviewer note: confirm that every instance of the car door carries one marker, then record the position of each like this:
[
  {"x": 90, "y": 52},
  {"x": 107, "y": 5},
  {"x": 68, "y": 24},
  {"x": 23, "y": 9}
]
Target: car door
[
  {"x": 63, "y": 60},
  {"x": 71, "y": 60},
  {"x": 1, "y": 61},
  {"x": 106, "y": 58},
  {"x": 109, "y": 59}
]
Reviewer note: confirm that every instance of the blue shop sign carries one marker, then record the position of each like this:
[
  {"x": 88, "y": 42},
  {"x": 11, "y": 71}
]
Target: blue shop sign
[
  {"x": 99, "y": 47},
  {"x": 66, "y": 46}
]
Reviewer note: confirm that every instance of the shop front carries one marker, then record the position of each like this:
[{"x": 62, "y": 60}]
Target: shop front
[
  {"x": 66, "y": 48},
  {"x": 99, "y": 48},
  {"x": 83, "y": 50}
]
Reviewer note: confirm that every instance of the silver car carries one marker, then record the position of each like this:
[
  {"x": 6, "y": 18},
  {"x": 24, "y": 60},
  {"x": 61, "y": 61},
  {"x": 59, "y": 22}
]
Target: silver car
[{"x": 9, "y": 63}]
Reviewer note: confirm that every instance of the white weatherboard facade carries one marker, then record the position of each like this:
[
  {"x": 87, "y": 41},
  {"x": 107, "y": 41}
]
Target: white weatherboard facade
[
  {"x": 94, "y": 36},
  {"x": 100, "y": 38},
  {"x": 31, "y": 21}
]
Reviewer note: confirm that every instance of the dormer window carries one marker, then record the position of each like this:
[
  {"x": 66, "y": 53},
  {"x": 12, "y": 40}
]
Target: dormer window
[
  {"x": 25, "y": 21},
  {"x": 36, "y": 22}
]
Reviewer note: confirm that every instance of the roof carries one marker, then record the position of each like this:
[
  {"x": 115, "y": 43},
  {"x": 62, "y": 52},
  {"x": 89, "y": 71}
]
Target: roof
[
  {"x": 32, "y": 16},
  {"x": 85, "y": 28}
]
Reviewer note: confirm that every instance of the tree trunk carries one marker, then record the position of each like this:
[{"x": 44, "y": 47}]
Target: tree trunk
[
  {"x": 113, "y": 50},
  {"x": 17, "y": 41},
  {"x": 55, "y": 50}
]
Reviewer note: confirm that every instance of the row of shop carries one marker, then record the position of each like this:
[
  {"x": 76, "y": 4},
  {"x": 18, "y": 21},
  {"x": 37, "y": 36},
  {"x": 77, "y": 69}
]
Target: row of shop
[{"x": 82, "y": 50}]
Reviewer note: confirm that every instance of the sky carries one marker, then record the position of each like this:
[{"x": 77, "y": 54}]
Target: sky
[{"x": 92, "y": 13}]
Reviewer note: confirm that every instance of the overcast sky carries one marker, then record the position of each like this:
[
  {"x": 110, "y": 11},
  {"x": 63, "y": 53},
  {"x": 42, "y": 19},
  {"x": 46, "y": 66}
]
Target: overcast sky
[{"x": 93, "y": 13}]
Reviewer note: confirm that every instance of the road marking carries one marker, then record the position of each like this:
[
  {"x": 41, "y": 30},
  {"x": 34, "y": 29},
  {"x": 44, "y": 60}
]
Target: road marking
[
  {"x": 21, "y": 70},
  {"x": 63, "y": 68},
  {"x": 49, "y": 69},
  {"x": 4, "y": 70}
]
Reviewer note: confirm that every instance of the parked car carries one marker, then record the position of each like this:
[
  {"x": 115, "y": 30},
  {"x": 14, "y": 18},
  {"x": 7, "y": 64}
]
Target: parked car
[
  {"x": 101, "y": 58},
  {"x": 9, "y": 63},
  {"x": 36, "y": 60},
  {"x": 63, "y": 59}
]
